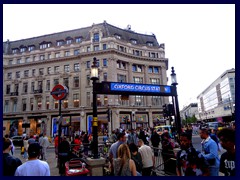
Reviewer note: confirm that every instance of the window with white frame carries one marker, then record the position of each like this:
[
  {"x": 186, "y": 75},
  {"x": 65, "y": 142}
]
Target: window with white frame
[
  {"x": 48, "y": 85},
  {"x": 96, "y": 48},
  {"x": 104, "y": 46},
  {"x": 47, "y": 102},
  {"x": 30, "y": 48},
  {"x": 49, "y": 70},
  {"x": 121, "y": 78},
  {"x": 57, "y": 55},
  {"x": 24, "y": 104},
  {"x": 14, "y": 51},
  {"x": 15, "y": 101},
  {"x": 9, "y": 75},
  {"x": 32, "y": 86},
  {"x": 6, "y": 106},
  {"x": 41, "y": 71},
  {"x": 95, "y": 37},
  {"x": 55, "y": 82},
  {"x": 33, "y": 72},
  {"x": 76, "y": 52},
  {"x": 23, "y": 49},
  {"x": 78, "y": 39},
  {"x": 156, "y": 70},
  {"x": 26, "y": 73},
  {"x": 67, "y": 53},
  {"x": 88, "y": 64},
  {"x": 133, "y": 41},
  {"x": 10, "y": 62},
  {"x": 31, "y": 104},
  {"x": 154, "y": 80},
  {"x": 66, "y": 82},
  {"x": 18, "y": 74},
  {"x": 8, "y": 88},
  {"x": 105, "y": 62},
  {"x": 66, "y": 68},
  {"x": 69, "y": 41},
  {"x": 76, "y": 67},
  {"x": 75, "y": 100},
  {"x": 56, "y": 69},
  {"x": 105, "y": 76},
  {"x": 27, "y": 59},
  {"x": 18, "y": 61},
  {"x": 60, "y": 43},
  {"x": 138, "y": 80},
  {"x": 42, "y": 57}
]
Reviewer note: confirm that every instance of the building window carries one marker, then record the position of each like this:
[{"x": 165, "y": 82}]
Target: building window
[
  {"x": 14, "y": 51},
  {"x": 31, "y": 104},
  {"x": 41, "y": 71},
  {"x": 66, "y": 68},
  {"x": 78, "y": 40},
  {"x": 15, "y": 105},
  {"x": 18, "y": 61},
  {"x": 76, "y": 52},
  {"x": 65, "y": 82},
  {"x": 150, "y": 44},
  {"x": 65, "y": 103},
  {"x": 8, "y": 88},
  {"x": 67, "y": 53},
  {"x": 10, "y": 62},
  {"x": 156, "y": 70},
  {"x": 9, "y": 75},
  {"x": 27, "y": 60},
  {"x": 104, "y": 46},
  {"x": 57, "y": 55},
  {"x": 150, "y": 69},
  {"x": 55, "y": 82},
  {"x": 138, "y": 80},
  {"x": 42, "y": 57},
  {"x": 39, "y": 103},
  {"x": 121, "y": 78},
  {"x": 105, "y": 76},
  {"x": 136, "y": 68},
  {"x": 60, "y": 43},
  {"x": 88, "y": 98},
  {"x": 96, "y": 48},
  {"x": 25, "y": 87},
  {"x": 117, "y": 36},
  {"x": 139, "y": 100},
  {"x": 24, "y": 104},
  {"x": 23, "y": 49},
  {"x": 48, "y": 85},
  {"x": 76, "y": 67},
  {"x": 49, "y": 56},
  {"x": 47, "y": 102},
  {"x": 26, "y": 73},
  {"x": 76, "y": 81},
  {"x": 18, "y": 74},
  {"x": 56, "y": 69},
  {"x": 88, "y": 64},
  {"x": 154, "y": 81},
  {"x": 69, "y": 41},
  {"x": 96, "y": 37},
  {"x": 33, "y": 72},
  {"x": 75, "y": 100},
  {"x": 45, "y": 45},
  {"x": 34, "y": 58},
  {"x": 49, "y": 70},
  {"x": 88, "y": 49},
  {"x": 105, "y": 62},
  {"x": 32, "y": 86},
  {"x": 6, "y": 106},
  {"x": 30, "y": 48},
  {"x": 133, "y": 41},
  {"x": 16, "y": 88},
  {"x": 156, "y": 100},
  {"x": 40, "y": 86},
  {"x": 88, "y": 80},
  {"x": 56, "y": 104}
]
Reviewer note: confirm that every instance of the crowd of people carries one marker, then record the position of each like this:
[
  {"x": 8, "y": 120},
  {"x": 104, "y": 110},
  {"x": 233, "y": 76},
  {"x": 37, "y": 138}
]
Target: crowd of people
[{"x": 132, "y": 153}]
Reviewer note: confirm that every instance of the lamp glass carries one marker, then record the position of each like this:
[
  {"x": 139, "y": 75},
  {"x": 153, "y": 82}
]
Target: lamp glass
[
  {"x": 94, "y": 72},
  {"x": 173, "y": 78}
]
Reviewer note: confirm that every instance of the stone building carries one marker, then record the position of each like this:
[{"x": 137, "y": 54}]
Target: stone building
[{"x": 33, "y": 66}]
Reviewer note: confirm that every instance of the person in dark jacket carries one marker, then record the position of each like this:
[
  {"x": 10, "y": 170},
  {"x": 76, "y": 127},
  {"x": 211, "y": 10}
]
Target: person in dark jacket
[
  {"x": 63, "y": 153},
  {"x": 136, "y": 157},
  {"x": 155, "y": 139},
  {"x": 10, "y": 163}
]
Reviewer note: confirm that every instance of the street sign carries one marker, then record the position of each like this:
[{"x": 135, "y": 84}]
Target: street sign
[{"x": 59, "y": 92}]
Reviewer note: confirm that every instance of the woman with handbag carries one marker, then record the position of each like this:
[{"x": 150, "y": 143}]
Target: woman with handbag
[{"x": 124, "y": 165}]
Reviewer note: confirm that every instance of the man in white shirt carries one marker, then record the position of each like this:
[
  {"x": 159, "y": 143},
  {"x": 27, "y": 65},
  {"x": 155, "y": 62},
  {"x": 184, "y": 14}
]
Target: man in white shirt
[
  {"x": 34, "y": 166},
  {"x": 44, "y": 143},
  {"x": 147, "y": 158}
]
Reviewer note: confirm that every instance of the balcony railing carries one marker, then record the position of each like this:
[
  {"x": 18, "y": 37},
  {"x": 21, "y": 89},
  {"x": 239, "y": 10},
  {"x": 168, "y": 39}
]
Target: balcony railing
[{"x": 37, "y": 91}]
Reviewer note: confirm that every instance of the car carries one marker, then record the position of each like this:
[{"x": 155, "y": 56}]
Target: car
[
  {"x": 17, "y": 140},
  {"x": 160, "y": 129}
]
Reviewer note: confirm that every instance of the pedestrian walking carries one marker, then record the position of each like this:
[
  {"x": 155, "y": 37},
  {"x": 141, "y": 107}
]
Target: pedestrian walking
[
  {"x": 10, "y": 163},
  {"x": 44, "y": 144},
  {"x": 228, "y": 159},
  {"x": 34, "y": 166},
  {"x": 63, "y": 154},
  {"x": 132, "y": 138},
  {"x": 124, "y": 165},
  {"x": 155, "y": 140},
  {"x": 147, "y": 158},
  {"x": 136, "y": 157},
  {"x": 13, "y": 147},
  {"x": 188, "y": 162},
  {"x": 56, "y": 145},
  {"x": 209, "y": 152}
]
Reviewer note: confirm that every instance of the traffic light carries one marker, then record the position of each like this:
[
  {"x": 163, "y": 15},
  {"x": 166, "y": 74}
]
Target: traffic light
[{"x": 170, "y": 110}]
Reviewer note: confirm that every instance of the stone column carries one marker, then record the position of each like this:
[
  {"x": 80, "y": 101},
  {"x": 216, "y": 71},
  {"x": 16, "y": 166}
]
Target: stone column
[{"x": 95, "y": 166}]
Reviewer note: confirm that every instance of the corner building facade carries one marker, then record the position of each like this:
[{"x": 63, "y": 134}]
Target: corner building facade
[{"x": 32, "y": 67}]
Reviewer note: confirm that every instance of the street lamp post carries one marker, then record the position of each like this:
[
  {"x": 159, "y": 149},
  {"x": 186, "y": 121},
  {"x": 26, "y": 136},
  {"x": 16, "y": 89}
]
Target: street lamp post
[
  {"x": 133, "y": 116},
  {"x": 94, "y": 78},
  {"x": 177, "y": 114}
]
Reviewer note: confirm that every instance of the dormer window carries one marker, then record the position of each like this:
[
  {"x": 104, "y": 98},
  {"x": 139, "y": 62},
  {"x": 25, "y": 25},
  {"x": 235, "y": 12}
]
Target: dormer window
[
  {"x": 69, "y": 40},
  {"x": 14, "y": 51},
  {"x": 133, "y": 41},
  {"x": 45, "y": 45},
  {"x": 150, "y": 44},
  {"x": 117, "y": 36},
  {"x": 60, "y": 43},
  {"x": 78, "y": 39},
  {"x": 31, "y": 48},
  {"x": 96, "y": 37},
  {"x": 23, "y": 49}
]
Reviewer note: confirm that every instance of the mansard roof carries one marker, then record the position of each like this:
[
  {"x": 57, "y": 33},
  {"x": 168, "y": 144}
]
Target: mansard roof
[{"x": 108, "y": 30}]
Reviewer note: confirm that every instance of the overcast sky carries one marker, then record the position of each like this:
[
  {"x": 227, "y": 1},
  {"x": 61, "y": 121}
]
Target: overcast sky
[{"x": 199, "y": 39}]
